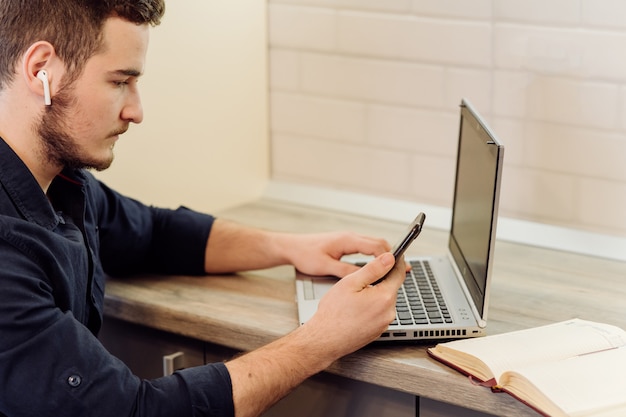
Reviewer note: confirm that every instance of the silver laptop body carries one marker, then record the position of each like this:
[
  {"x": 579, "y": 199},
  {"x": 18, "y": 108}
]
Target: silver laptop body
[{"x": 458, "y": 282}]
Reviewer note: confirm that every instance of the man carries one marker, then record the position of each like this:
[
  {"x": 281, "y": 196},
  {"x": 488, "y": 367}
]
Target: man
[{"x": 68, "y": 90}]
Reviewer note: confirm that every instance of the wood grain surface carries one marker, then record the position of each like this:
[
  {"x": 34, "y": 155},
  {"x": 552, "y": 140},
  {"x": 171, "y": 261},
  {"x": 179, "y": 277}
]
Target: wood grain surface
[{"x": 531, "y": 287}]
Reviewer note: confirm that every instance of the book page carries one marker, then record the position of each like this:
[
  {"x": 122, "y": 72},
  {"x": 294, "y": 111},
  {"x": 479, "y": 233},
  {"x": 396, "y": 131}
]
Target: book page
[
  {"x": 562, "y": 340},
  {"x": 586, "y": 385}
]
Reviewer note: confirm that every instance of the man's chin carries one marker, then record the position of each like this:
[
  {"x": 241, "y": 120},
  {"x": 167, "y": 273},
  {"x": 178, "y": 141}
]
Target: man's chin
[
  {"x": 97, "y": 165},
  {"x": 101, "y": 166}
]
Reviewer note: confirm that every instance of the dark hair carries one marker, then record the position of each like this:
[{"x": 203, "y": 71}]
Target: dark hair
[{"x": 73, "y": 27}]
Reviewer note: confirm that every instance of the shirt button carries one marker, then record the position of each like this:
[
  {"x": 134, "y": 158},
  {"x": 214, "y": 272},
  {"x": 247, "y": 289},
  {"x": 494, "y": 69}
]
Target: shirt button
[{"x": 74, "y": 381}]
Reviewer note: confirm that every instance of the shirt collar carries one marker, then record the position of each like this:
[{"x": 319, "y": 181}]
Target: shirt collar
[{"x": 24, "y": 191}]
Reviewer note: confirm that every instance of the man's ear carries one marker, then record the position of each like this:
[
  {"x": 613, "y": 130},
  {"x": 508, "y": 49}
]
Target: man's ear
[{"x": 38, "y": 69}]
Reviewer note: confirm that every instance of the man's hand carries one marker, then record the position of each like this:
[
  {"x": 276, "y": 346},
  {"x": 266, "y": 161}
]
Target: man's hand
[
  {"x": 352, "y": 314},
  {"x": 320, "y": 254}
]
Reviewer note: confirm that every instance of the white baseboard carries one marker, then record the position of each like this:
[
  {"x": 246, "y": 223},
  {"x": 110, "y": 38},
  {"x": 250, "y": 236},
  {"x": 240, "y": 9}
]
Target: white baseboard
[{"x": 512, "y": 230}]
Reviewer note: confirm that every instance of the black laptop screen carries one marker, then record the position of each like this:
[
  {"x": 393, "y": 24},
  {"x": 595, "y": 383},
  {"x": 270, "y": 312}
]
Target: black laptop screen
[{"x": 475, "y": 202}]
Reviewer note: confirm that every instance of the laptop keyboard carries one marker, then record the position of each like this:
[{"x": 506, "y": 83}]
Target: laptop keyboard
[{"x": 419, "y": 299}]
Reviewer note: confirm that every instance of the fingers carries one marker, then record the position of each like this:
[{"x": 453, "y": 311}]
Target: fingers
[
  {"x": 372, "y": 271},
  {"x": 341, "y": 269},
  {"x": 396, "y": 276},
  {"x": 367, "y": 245},
  {"x": 378, "y": 246},
  {"x": 348, "y": 243},
  {"x": 320, "y": 254}
]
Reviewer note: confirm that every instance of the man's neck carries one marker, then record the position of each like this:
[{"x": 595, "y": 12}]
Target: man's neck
[
  {"x": 34, "y": 160},
  {"x": 16, "y": 128}
]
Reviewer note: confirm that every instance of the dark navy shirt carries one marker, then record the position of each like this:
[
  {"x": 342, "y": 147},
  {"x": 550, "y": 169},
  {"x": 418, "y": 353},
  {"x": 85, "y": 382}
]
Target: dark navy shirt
[{"x": 55, "y": 250}]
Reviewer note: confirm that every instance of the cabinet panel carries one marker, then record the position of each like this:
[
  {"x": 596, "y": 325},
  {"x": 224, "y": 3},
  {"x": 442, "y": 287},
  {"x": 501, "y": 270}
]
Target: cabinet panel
[
  {"x": 323, "y": 395},
  {"x": 142, "y": 349},
  {"x": 327, "y": 395},
  {"x": 432, "y": 408}
]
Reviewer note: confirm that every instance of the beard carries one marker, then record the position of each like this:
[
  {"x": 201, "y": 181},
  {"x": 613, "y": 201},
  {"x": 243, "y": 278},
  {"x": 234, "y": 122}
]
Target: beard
[{"x": 58, "y": 147}]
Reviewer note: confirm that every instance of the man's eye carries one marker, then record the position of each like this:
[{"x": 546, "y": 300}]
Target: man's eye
[{"x": 120, "y": 83}]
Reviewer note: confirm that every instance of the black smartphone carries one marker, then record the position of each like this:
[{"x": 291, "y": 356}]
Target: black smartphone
[{"x": 414, "y": 230}]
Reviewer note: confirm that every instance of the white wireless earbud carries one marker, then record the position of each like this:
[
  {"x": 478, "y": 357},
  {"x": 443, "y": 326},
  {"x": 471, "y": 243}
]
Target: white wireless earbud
[{"x": 43, "y": 76}]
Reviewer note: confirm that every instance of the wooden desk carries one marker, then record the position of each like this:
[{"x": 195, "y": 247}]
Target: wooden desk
[{"x": 531, "y": 287}]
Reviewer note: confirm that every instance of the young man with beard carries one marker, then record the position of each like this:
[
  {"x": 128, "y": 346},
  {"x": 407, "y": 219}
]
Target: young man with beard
[{"x": 68, "y": 90}]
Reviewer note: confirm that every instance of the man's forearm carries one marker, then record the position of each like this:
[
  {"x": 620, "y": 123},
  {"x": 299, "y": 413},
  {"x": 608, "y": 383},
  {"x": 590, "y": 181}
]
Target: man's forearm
[
  {"x": 233, "y": 247},
  {"x": 262, "y": 377}
]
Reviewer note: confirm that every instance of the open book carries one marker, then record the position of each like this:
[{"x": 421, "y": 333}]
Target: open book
[{"x": 572, "y": 368}]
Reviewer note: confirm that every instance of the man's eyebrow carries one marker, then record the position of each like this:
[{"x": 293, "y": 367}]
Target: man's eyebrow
[{"x": 127, "y": 72}]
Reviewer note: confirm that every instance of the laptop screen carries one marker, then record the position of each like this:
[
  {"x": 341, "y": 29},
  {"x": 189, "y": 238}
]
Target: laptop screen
[{"x": 475, "y": 203}]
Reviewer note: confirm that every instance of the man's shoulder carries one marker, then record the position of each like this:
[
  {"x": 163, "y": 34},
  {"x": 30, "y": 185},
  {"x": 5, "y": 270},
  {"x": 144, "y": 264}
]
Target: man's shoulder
[{"x": 22, "y": 235}]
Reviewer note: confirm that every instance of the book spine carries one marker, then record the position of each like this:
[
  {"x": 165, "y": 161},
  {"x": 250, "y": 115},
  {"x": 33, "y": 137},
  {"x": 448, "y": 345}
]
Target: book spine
[
  {"x": 473, "y": 379},
  {"x": 503, "y": 389}
]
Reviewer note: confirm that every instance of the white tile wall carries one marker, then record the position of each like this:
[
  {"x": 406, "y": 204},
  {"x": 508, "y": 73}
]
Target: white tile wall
[
  {"x": 604, "y": 13},
  {"x": 538, "y": 11},
  {"x": 323, "y": 118},
  {"x": 471, "y": 9},
  {"x": 365, "y": 94}
]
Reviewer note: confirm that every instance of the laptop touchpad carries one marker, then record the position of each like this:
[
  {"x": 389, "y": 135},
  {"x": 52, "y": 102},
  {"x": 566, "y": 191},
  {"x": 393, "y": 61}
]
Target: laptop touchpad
[{"x": 315, "y": 288}]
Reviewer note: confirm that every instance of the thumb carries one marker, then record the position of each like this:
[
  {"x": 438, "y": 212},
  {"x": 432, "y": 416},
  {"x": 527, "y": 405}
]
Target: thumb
[{"x": 373, "y": 271}]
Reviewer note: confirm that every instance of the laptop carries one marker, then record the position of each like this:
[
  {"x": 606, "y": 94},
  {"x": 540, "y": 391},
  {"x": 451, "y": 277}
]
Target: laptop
[{"x": 446, "y": 296}]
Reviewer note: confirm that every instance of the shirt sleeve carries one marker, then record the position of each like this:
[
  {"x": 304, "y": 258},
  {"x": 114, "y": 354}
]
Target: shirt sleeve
[
  {"x": 136, "y": 238},
  {"x": 52, "y": 365}
]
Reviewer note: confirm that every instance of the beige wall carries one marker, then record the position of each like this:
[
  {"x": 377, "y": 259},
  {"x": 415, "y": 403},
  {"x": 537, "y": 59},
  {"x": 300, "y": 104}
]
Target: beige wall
[
  {"x": 365, "y": 93},
  {"x": 204, "y": 140},
  {"x": 364, "y": 96}
]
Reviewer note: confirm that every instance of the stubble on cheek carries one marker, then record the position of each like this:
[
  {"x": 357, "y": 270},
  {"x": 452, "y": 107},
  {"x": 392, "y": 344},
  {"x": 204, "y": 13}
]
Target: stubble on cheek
[{"x": 58, "y": 146}]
